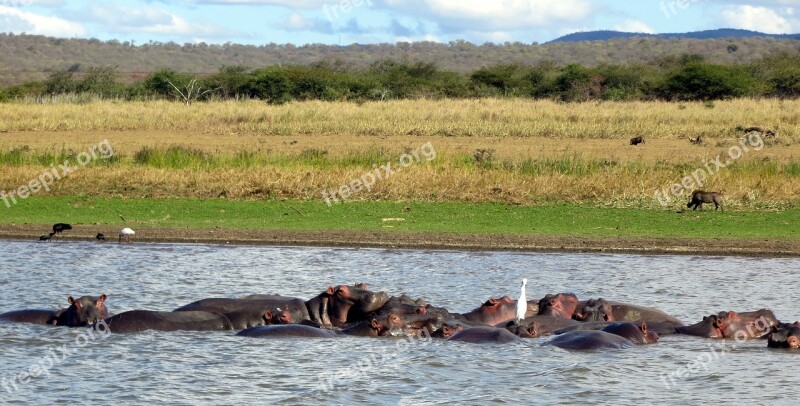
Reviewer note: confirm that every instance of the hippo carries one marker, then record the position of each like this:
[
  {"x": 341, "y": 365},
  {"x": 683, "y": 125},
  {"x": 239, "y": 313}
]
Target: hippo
[
  {"x": 293, "y": 309},
  {"x": 484, "y": 335},
  {"x": 82, "y": 311},
  {"x": 416, "y": 314},
  {"x": 523, "y": 330},
  {"x": 785, "y": 336},
  {"x": 286, "y": 330},
  {"x": 548, "y": 325},
  {"x": 594, "y": 310},
  {"x": 637, "y": 334},
  {"x": 340, "y": 305},
  {"x": 727, "y": 325},
  {"x": 563, "y": 305},
  {"x": 492, "y": 312},
  {"x": 633, "y": 313},
  {"x": 391, "y": 325},
  {"x": 137, "y": 321},
  {"x": 447, "y": 330},
  {"x": 590, "y": 340}
]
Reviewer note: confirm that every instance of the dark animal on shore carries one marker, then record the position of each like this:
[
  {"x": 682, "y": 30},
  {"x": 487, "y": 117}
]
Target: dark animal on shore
[
  {"x": 100, "y": 237},
  {"x": 696, "y": 141},
  {"x": 766, "y": 133},
  {"x": 59, "y": 227},
  {"x": 637, "y": 140},
  {"x": 46, "y": 237},
  {"x": 699, "y": 197}
]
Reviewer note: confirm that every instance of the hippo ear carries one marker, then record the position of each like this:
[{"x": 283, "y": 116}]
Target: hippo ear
[
  {"x": 446, "y": 330},
  {"x": 793, "y": 342},
  {"x": 330, "y": 290},
  {"x": 70, "y": 300},
  {"x": 374, "y": 323},
  {"x": 644, "y": 328},
  {"x": 101, "y": 299},
  {"x": 268, "y": 315}
]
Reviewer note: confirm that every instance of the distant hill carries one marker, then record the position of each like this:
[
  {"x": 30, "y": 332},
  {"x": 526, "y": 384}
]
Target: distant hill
[
  {"x": 33, "y": 57},
  {"x": 723, "y": 33}
]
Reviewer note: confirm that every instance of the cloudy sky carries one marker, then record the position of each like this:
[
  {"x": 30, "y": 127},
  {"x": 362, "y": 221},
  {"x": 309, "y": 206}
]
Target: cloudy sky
[{"x": 375, "y": 21}]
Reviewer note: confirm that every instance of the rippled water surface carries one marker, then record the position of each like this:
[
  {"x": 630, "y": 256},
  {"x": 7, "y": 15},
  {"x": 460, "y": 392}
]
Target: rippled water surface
[{"x": 219, "y": 368}]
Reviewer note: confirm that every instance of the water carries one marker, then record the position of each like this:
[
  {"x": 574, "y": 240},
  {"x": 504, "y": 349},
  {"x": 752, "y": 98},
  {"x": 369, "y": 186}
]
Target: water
[{"x": 219, "y": 368}]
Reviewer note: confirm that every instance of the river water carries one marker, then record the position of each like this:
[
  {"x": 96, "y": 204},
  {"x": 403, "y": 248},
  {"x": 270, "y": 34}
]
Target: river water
[{"x": 74, "y": 365}]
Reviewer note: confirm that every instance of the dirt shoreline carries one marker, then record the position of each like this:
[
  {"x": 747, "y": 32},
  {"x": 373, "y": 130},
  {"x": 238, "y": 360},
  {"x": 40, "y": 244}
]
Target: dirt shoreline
[{"x": 436, "y": 241}]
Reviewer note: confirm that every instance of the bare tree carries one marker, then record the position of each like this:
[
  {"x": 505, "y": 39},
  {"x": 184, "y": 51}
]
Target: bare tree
[{"x": 191, "y": 93}]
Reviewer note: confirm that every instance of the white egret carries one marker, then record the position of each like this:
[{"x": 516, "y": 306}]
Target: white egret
[
  {"x": 522, "y": 303},
  {"x": 126, "y": 234}
]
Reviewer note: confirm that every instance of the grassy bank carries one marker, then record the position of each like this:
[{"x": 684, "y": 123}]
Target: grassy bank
[
  {"x": 546, "y": 220},
  {"x": 419, "y": 118}
]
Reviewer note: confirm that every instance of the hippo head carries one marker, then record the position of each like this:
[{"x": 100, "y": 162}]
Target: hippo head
[
  {"x": 595, "y": 310},
  {"x": 348, "y": 304},
  {"x": 524, "y": 330},
  {"x": 83, "y": 311},
  {"x": 746, "y": 325},
  {"x": 392, "y": 325},
  {"x": 280, "y": 316},
  {"x": 786, "y": 336},
  {"x": 561, "y": 305},
  {"x": 649, "y": 336},
  {"x": 447, "y": 330}
]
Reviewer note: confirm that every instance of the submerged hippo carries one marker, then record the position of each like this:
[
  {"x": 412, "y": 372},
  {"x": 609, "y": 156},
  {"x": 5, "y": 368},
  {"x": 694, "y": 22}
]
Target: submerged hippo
[
  {"x": 391, "y": 325},
  {"x": 590, "y": 340},
  {"x": 785, "y": 336},
  {"x": 137, "y": 321},
  {"x": 340, "y": 305},
  {"x": 82, "y": 311},
  {"x": 286, "y": 330},
  {"x": 282, "y": 309},
  {"x": 484, "y": 335}
]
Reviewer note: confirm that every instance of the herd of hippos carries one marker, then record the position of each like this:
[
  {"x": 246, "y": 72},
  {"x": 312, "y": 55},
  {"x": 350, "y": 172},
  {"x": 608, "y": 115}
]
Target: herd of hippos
[{"x": 355, "y": 310}]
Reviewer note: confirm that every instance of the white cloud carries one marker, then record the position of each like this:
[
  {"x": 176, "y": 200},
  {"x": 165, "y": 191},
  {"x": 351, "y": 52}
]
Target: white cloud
[
  {"x": 18, "y": 21},
  {"x": 761, "y": 19},
  {"x": 500, "y": 15},
  {"x": 150, "y": 20},
  {"x": 307, "y": 4},
  {"x": 298, "y": 22},
  {"x": 633, "y": 26}
]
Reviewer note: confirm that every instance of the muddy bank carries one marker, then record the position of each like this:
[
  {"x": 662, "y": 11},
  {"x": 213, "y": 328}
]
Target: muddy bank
[{"x": 455, "y": 241}]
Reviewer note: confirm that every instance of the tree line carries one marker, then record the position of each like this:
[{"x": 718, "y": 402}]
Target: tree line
[{"x": 677, "y": 78}]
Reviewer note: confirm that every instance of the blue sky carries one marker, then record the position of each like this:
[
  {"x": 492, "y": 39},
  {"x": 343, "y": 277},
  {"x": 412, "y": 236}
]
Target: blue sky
[{"x": 382, "y": 21}]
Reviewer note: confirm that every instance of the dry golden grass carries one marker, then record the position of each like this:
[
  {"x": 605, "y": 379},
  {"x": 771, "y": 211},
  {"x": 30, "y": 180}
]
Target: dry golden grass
[{"x": 583, "y": 146}]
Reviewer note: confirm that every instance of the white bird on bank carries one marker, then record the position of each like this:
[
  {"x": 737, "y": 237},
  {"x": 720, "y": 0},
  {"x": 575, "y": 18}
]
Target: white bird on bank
[
  {"x": 126, "y": 234},
  {"x": 522, "y": 303}
]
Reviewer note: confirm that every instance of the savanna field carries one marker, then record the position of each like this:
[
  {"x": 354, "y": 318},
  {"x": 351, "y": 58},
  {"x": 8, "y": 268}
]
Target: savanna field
[{"x": 518, "y": 154}]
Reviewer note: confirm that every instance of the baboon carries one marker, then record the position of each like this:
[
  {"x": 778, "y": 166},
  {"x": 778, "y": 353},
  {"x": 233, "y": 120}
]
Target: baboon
[
  {"x": 637, "y": 140},
  {"x": 698, "y": 140},
  {"x": 699, "y": 197}
]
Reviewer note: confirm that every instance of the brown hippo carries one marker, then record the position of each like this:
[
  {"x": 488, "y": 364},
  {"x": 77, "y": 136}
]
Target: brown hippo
[
  {"x": 492, "y": 312},
  {"x": 563, "y": 305},
  {"x": 728, "y": 325},
  {"x": 484, "y": 335},
  {"x": 447, "y": 330},
  {"x": 524, "y": 330},
  {"x": 137, "y": 321},
  {"x": 785, "y": 336},
  {"x": 82, "y": 311},
  {"x": 391, "y": 325},
  {"x": 650, "y": 315},
  {"x": 595, "y": 310},
  {"x": 293, "y": 309},
  {"x": 638, "y": 334},
  {"x": 699, "y": 197}
]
